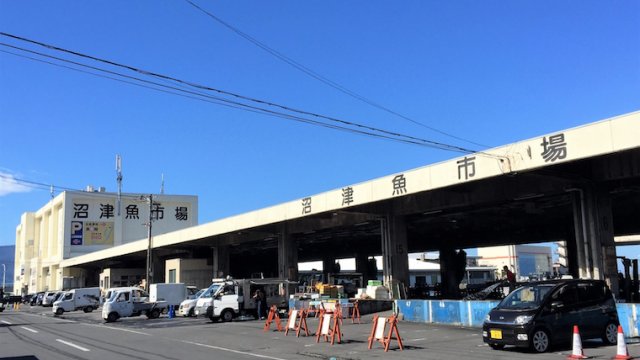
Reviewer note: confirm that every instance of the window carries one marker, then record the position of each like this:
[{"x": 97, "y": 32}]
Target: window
[
  {"x": 567, "y": 294},
  {"x": 172, "y": 275}
]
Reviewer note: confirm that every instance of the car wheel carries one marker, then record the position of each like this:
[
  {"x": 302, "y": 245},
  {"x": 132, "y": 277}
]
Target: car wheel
[
  {"x": 540, "y": 341},
  {"x": 88, "y": 309},
  {"x": 610, "y": 335},
  {"x": 226, "y": 316},
  {"x": 112, "y": 317},
  {"x": 497, "y": 346},
  {"x": 190, "y": 313},
  {"x": 154, "y": 314},
  {"x": 59, "y": 311}
]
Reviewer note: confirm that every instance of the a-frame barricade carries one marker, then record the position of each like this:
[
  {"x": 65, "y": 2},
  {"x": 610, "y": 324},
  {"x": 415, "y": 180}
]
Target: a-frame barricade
[
  {"x": 273, "y": 317},
  {"x": 378, "y": 331},
  {"x": 297, "y": 321},
  {"x": 330, "y": 327},
  {"x": 355, "y": 313}
]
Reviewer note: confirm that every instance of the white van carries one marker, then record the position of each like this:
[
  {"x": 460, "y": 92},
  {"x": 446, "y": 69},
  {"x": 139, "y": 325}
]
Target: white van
[{"x": 86, "y": 299}]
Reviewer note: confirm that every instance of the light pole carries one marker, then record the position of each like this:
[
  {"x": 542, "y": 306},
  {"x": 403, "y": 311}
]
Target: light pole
[
  {"x": 4, "y": 273},
  {"x": 149, "y": 246}
]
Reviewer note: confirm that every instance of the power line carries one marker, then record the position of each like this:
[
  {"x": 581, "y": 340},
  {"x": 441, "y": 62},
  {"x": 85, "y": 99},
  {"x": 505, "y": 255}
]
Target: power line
[
  {"x": 218, "y": 101},
  {"x": 309, "y": 72},
  {"x": 411, "y": 139}
]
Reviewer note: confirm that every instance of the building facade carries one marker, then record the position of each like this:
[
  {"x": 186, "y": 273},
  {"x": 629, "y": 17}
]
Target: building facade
[
  {"x": 80, "y": 222},
  {"x": 6, "y": 266},
  {"x": 526, "y": 261}
]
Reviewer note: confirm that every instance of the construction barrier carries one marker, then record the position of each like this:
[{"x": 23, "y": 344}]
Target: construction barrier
[
  {"x": 330, "y": 326},
  {"x": 297, "y": 322},
  {"x": 378, "y": 330},
  {"x": 355, "y": 312},
  {"x": 273, "y": 317}
]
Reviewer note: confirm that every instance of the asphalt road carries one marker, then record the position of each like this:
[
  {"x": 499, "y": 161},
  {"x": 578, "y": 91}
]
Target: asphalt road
[{"x": 34, "y": 333}]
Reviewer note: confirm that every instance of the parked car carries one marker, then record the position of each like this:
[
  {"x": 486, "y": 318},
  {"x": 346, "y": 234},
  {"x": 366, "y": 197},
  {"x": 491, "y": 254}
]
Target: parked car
[
  {"x": 188, "y": 306},
  {"x": 36, "y": 300},
  {"x": 49, "y": 297},
  {"x": 541, "y": 314}
]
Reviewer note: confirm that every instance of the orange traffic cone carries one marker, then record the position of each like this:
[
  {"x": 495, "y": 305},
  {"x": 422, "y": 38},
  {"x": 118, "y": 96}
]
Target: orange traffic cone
[
  {"x": 577, "y": 352},
  {"x": 623, "y": 351}
]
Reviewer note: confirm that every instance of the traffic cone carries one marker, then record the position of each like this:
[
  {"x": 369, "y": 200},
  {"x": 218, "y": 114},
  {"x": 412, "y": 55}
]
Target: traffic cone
[
  {"x": 577, "y": 352},
  {"x": 623, "y": 351}
]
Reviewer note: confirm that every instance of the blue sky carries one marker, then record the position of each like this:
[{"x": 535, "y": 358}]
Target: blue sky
[{"x": 489, "y": 72}]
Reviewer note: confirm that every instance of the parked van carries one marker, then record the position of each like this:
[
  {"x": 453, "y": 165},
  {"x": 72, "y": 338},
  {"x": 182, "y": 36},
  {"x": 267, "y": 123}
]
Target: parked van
[
  {"x": 541, "y": 314},
  {"x": 49, "y": 297},
  {"x": 86, "y": 299}
]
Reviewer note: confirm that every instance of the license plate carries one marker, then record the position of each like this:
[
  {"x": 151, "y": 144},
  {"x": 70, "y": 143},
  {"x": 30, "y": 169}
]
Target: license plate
[{"x": 496, "y": 334}]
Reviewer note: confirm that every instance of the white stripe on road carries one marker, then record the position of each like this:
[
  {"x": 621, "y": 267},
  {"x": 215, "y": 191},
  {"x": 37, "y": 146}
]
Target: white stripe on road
[
  {"x": 119, "y": 329},
  {"x": 231, "y": 350},
  {"x": 72, "y": 345},
  {"x": 29, "y": 329},
  {"x": 6, "y": 322}
]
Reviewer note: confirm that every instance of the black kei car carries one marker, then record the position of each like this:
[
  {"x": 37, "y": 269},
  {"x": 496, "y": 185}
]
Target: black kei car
[{"x": 540, "y": 314}]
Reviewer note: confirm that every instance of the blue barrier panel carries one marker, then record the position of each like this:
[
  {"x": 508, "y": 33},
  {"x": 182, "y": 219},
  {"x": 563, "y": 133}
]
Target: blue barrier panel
[
  {"x": 472, "y": 313},
  {"x": 413, "y": 310},
  {"x": 479, "y": 310},
  {"x": 446, "y": 312},
  {"x": 625, "y": 315}
]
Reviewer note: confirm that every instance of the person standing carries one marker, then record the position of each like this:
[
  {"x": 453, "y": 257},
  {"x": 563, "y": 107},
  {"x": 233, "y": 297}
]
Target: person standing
[
  {"x": 510, "y": 277},
  {"x": 260, "y": 303}
]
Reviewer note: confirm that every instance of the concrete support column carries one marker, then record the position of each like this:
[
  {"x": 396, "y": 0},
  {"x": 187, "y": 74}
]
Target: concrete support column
[
  {"x": 449, "y": 287},
  {"x": 595, "y": 245},
  {"x": 364, "y": 267},
  {"x": 287, "y": 255},
  {"x": 580, "y": 230},
  {"x": 157, "y": 269},
  {"x": 606, "y": 249},
  {"x": 395, "y": 260},
  {"x": 220, "y": 261}
]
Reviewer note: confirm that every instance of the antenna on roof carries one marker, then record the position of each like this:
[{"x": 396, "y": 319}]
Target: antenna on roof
[
  {"x": 119, "y": 179},
  {"x": 162, "y": 184}
]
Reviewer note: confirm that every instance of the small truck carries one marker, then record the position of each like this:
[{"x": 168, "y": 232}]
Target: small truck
[
  {"x": 86, "y": 299},
  {"x": 172, "y": 293},
  {"x": 228, "y": 298},
  {"x": 127, "y": 303}
]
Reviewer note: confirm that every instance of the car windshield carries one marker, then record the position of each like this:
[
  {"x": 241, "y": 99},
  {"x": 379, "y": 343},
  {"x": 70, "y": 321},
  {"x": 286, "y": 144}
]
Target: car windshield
[
  {"x": 200, "y": 292},
  {"x": 526, "y": 297},
  {"x": 210, "y": 291}
]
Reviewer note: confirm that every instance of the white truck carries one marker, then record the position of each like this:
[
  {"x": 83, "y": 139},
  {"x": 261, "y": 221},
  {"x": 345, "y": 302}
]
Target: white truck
[
  {"x": 172, "y": 293},
  {"x": 86, "y": 299},
  {"x": 227, "y": 298},
  {"x": 130, "y": 302}
]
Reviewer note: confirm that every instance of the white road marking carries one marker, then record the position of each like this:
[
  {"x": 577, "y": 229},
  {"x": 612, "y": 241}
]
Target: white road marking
[
  {"x": 6, "y": 322},
  {"x": 231, "y": 350},
  {"x": 119, "y": 329},
  {"x": 72, "y": 345},
  {"x": 29, "y": 329},
  {"x": 47, "y": 315}
]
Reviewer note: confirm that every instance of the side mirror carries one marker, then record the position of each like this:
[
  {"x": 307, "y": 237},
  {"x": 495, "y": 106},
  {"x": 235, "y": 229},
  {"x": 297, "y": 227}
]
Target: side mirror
[{"x": 557, "y": 305}]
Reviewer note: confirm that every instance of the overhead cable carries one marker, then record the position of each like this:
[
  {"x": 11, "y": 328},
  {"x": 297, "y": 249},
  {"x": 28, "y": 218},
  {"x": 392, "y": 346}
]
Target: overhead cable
[
  {"x": 388, "y": 134},
  {"x": 313, "y": 74}
]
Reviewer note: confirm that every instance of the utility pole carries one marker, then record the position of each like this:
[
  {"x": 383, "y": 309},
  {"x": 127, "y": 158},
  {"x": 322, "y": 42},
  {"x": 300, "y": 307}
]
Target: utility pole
[{"x": 149, "y": 273}]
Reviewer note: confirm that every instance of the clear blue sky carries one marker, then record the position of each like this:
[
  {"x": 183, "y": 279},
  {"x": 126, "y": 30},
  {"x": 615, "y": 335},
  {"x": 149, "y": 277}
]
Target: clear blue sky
[{"x": 490, "y": 72}]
